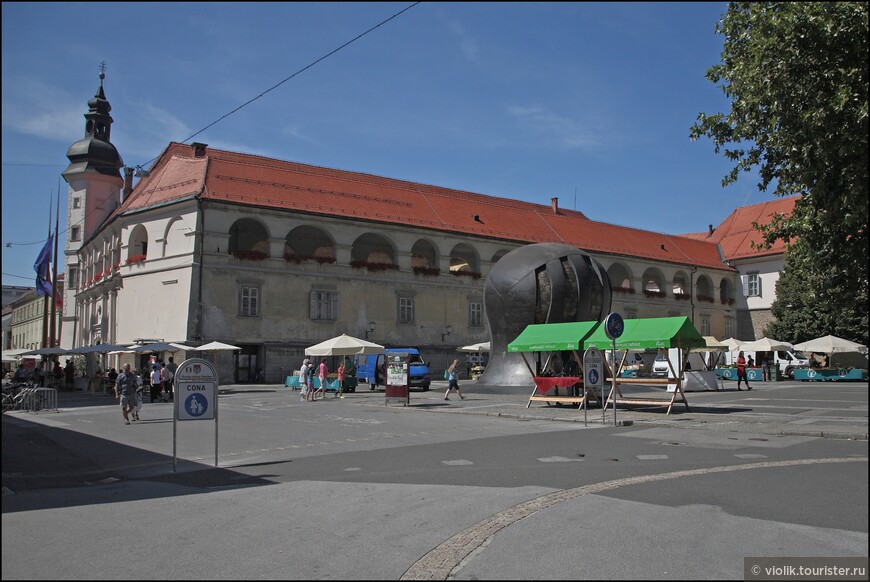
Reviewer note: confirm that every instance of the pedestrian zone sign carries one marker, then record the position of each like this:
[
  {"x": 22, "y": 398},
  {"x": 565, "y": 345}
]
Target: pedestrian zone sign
[{"x": 196, "y": 390}]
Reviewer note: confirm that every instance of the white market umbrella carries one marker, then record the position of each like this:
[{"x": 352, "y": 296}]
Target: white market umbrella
[
  {"x": 733, "y": 345},
  {"x": 13, "y": 355},
  {"x": 98, "y": 349},
  {"x": 713, "y": 345},
  {"x": 473, "y": 348},
  {"x": 344, "y": 345},
  {"x": 830, "y": 344},
  {"x": 47, "y": 352},
  {"x": 157, "y": 347},
  {"x": 766, "y": 344},
  {"x": 215, "y": 347}
]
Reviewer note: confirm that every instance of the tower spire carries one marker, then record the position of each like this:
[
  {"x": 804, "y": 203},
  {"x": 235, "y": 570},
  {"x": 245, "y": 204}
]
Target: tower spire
[{"x": 95, "y": 152}]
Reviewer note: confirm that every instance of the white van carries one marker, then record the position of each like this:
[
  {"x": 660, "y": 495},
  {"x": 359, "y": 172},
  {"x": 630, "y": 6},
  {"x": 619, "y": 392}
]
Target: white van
[{"x": 785, "y": 360}]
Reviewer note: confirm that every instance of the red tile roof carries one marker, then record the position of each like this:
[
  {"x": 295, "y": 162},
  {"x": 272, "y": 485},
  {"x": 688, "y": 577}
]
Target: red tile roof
[
  {"x": 736, "y": 235},
  {"x": 269, "y": 183}
]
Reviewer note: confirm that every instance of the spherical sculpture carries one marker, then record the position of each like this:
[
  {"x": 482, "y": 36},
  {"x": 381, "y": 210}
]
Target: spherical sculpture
[{"x": 538, "y": 283}]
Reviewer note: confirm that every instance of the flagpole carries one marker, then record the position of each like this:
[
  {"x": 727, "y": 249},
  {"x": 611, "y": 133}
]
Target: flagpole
[
  {"x": 54, "y": 288},
  {"x": 45, "y": 300}
]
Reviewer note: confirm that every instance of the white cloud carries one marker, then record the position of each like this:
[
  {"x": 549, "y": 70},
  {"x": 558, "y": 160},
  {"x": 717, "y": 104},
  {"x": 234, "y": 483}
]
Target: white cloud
[
  {"x": 554, "y": 129},
  {"x": 36, "y": 109}
]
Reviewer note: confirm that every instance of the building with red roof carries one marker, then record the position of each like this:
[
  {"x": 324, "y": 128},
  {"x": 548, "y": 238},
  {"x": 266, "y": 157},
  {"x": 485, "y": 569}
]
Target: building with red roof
[{"x": 274, "y": 256}]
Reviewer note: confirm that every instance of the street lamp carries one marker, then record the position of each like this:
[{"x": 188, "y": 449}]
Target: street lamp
[
  {"x": 447, "y": 331},
  {"x": 371, "y": 329}
]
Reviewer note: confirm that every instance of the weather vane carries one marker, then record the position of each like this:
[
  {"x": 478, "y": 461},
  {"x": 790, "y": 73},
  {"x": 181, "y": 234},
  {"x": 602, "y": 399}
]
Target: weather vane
[{"x": 102, "y": 71}]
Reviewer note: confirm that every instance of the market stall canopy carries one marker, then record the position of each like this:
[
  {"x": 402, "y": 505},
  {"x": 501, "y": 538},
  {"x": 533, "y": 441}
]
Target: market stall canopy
[
  {"x": 713, "y": 345},
  {"x": 830, "y": 344},
  {"x": 98, "y": 349},
  {"x": 766, "y": 344},
  {"x": 215, "y": 347},
  {"x": 344, "y": 345},
  {"x": 478, "y": 347},
  {"x": 650, "y": 333},
  {"x": 552, "y": 337}
]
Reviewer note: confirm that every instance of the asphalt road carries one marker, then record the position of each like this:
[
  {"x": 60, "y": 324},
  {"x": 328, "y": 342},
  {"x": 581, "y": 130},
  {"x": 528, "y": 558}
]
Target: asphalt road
[{"x": 483, "y": 488}]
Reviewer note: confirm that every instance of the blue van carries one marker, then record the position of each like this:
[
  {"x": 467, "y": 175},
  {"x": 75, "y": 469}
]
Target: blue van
[{"x": 370, "y": 369}]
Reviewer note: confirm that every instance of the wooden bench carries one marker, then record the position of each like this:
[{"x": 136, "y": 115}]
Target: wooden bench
[
  {"x": 543, "y": 384},
  {"x": 645, "y": 400}
]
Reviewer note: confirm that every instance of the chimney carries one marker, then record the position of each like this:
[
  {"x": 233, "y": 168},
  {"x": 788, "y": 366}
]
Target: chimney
[
  {"x": 199, "y": 149},
  {"x": 128, "y": 183},
  {"x": 554, "y": 204}
]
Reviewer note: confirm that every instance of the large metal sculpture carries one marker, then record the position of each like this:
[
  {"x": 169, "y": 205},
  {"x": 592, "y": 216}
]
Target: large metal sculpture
[{"x": 538, "y": 283}]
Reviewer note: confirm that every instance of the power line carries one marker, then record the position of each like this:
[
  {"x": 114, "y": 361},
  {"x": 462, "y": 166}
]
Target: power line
[
  {"x": 302, "y": 70},
  {"x": 245, "y": 104}
]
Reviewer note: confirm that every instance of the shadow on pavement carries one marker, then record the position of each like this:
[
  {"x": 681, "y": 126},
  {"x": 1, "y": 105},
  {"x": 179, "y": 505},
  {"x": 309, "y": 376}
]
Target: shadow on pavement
[{"x": 49, "y": 459}]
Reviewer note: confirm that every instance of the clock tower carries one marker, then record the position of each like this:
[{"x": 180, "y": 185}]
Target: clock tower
[{"x": 95, "y": 185}]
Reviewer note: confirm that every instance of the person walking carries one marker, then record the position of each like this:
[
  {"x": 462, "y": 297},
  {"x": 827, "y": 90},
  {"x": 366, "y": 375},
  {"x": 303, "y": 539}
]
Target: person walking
[
  {"x": 125, "y": 392},
  {"x": 156, "y": 385},
  {"x": 453, "y": 380},
  {"x": 741, "y": 371},
  {"x": 306, "y": 378},
  {"x": 70, "y": 374},
  {"x": 166, "y": 380},
  {"x": 340, "y": 372},
  {"x": 322, "y": 373},
  {"x": 140, "y": 398}
]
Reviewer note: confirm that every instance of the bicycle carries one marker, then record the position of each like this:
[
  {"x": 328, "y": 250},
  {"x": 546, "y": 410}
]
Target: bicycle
[
  {"x": 29, "y": 399},
  {"x": 12, "y": 394}
]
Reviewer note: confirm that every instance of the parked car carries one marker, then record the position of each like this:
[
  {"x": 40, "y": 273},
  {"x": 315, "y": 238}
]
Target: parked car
[{"x": 660, "y": 366}]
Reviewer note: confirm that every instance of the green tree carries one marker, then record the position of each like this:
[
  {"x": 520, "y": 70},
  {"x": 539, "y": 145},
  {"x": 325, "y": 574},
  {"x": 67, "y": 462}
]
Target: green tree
[
  {"x": 796, "y": 75},
  {"x": 809, "y": 309}
]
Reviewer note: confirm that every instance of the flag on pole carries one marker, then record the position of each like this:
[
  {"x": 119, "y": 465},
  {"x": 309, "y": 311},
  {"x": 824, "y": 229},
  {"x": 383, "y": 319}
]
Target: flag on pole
[{"x": 42, "y": 266}]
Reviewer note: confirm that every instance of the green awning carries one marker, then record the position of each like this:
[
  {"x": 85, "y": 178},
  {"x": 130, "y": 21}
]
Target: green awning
[
  {"x": 552, "y": 337},
  {"x": 651, "y": 333}
]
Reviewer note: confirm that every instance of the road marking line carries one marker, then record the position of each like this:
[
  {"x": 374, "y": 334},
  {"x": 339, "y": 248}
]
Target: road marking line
[{"x": 443, "y": 560}]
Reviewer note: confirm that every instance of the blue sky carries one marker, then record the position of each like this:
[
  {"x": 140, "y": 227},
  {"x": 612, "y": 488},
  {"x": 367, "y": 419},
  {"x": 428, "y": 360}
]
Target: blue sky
[{"x": 588, "y": 102}]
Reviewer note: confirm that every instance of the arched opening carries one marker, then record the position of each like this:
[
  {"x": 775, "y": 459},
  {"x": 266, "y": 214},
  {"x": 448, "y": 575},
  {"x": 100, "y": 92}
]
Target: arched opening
[{"x": 248, "y": 237}]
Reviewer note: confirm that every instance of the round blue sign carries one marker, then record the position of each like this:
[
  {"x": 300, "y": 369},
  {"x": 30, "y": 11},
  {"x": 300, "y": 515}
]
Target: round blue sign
[
  {"x": 593, "y": 376},
  {"x": 613, "y": 325},
  {"x": 196, "y": 404}
]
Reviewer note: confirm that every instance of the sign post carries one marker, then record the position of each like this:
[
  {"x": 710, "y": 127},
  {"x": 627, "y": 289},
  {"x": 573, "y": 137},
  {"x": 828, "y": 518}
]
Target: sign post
[
  {"x": 613, "y": 328},
  {"x": 196, "y": 398},
  {"x": 593, "y": 377},
  {"x": 396, "y": 379}
]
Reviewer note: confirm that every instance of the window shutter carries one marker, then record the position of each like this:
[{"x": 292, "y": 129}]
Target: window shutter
[
  {"x": 744, "y": 279},
  {"x": 312, "y": 305}
]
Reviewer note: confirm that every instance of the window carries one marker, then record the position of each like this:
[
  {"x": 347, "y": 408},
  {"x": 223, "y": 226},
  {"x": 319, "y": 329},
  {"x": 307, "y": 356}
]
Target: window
[
  {"x": 475, "y": 314},
  {"x": 729, "y": 328},
  {"x": 75, "y": 233},
  {"x": 249, "y": 301},
  {"x": 73, "y": 278},
  {"x": 323, "y": 305},
  {"x": 77, "y": 202},
  {"x": 406, "y": 310},
  {"x": 705, "y": 326},
  {"x": 751, "y": 285}
]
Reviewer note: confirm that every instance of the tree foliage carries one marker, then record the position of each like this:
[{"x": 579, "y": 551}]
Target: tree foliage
[
  {"x": 809, "y": 309},
  {"x": 796, "y": 75}
]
